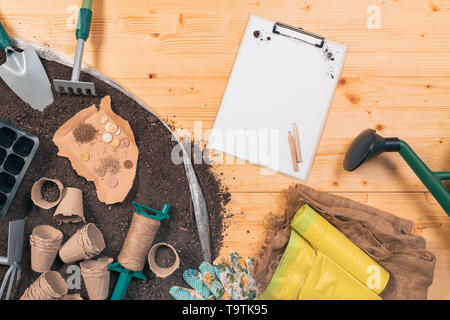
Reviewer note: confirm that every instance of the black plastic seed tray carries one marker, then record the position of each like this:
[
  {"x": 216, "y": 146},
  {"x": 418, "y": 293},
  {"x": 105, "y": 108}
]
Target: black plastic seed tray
[{"x": 17, "y": 150}]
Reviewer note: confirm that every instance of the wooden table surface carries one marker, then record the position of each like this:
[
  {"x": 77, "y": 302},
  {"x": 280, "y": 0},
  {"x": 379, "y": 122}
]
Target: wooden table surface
[{"x": 176, "y": 55}]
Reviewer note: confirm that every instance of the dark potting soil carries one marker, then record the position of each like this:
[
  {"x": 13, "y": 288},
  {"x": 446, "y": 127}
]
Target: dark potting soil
[
  {"x": 50, "y": 191},
  {"x": 164, "y": 257},
  {"x": 157, "y": 181}
]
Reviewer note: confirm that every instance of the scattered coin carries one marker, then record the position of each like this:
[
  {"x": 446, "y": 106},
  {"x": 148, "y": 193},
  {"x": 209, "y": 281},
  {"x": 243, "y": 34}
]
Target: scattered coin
[
  {"x": 84, "y": 156},
  {"x": 128, "y": 164},
  {"x": 124, "y": 142},
  {"x": 104, "y": 119},
  {"x": 113, "y": 182},
  {"x": 111, "y": 127},
  {"x": 107, "y": 137},
  {"x": 115, "y": 142}
]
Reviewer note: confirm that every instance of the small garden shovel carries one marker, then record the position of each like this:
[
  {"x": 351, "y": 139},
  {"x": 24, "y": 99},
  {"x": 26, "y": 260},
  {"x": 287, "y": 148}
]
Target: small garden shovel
[{"x": 24, "y": 74}]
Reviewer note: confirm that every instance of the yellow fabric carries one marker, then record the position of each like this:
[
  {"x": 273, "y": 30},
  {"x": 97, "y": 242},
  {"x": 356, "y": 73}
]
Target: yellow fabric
[{"x": 321, "y": 263}]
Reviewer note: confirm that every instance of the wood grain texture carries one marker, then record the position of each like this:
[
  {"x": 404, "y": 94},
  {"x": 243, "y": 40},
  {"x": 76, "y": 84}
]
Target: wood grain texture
[
  {"x": 249, "y": 210},
  {"x": 176, "y": 55}
]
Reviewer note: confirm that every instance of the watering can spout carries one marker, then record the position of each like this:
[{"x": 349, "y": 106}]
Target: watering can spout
[{"x": 368, "y": 144}]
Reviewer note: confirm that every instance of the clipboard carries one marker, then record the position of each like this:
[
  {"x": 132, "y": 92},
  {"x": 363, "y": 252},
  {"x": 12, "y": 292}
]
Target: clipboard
[{"x": 282, "y": 75}]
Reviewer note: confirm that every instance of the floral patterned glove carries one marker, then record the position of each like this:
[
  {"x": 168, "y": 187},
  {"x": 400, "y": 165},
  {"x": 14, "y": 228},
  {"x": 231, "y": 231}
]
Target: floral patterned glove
[{"x": 220, "y": 281}]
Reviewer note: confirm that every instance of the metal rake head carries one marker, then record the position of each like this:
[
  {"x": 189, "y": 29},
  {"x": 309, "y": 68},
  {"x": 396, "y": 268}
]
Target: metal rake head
[{"x": 74, "y": 87}]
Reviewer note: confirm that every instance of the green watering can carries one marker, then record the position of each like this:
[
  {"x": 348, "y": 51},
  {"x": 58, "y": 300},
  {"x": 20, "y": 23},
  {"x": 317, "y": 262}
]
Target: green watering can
[
  {"x": 369, "y": 145},
  {"x": 127, "y": 275}
]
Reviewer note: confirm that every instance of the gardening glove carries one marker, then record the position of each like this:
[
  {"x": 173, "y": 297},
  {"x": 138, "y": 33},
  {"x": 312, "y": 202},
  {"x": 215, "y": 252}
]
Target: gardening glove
[{"x": 220, "y": 281}]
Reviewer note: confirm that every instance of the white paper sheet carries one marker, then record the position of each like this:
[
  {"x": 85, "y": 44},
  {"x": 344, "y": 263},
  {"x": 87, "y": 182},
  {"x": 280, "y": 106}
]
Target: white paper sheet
[{"x": 277, "y": 81}]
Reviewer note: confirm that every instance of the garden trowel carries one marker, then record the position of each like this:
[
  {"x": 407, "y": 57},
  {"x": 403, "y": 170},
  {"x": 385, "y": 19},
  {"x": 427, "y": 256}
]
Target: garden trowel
[
  {"x": 24, "y": 74},
  {"x": 15, "y": 245}
]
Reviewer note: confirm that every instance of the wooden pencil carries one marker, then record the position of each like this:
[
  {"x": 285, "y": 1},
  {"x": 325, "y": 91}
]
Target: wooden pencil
[
  {"x": 294, "y": 157},
  {"x": 297, "y": 144}
]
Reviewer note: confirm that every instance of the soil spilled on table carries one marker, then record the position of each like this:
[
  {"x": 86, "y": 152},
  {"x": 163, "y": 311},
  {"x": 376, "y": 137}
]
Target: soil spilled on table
[{"x": 158, "y": 181}]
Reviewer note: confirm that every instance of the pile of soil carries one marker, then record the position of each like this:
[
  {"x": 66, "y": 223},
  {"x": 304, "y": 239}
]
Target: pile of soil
[
  {"x": 50, "y": 191},
  {"x": 157, "y": 181},
  {"x": 164, "y": 257}
]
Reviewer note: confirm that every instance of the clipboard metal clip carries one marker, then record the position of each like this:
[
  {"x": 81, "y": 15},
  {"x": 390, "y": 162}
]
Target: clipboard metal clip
[{"x": 299, "y": 34}]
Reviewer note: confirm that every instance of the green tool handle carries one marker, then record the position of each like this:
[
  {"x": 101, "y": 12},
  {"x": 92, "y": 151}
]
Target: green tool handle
[
  {"x": 152, "y": 213},
  {"x": 84, "y": 20},
  {"x": 5, "y": 41},
  {"x": 432, "y": 180},
  {"x": 124, "y": 280},
  {"x": 122, "y": 286},
  {"x": 87, "y": 4}
]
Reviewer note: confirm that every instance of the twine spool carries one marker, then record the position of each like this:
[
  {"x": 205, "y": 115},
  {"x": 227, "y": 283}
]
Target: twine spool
[{"x": 138, "y": 242}]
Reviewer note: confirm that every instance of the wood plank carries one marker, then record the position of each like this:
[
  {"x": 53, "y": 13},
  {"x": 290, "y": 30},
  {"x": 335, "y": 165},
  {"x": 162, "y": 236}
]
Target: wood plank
[
  {"x": 370, "y": 102},
  {"x": 425, "y": 128},
  {"x": 174, "y": 94},
  {"x": 249, "y": 210},
  {"x": 289, "y": 9},
  {"x": 388, "y": 172},
  {"x": 184, "y": 39},
  {"x": 177, "y": 55},
  {"x": 206, "y": 59}
]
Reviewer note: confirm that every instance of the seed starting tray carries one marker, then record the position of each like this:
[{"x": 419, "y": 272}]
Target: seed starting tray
[{"x": 17, "y": 150}]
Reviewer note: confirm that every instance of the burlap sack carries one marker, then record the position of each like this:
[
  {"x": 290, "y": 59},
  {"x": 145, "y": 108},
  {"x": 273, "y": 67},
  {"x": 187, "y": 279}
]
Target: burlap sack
[
  {"x": 96, "y": 276},
  {"x": 384, "y": 237},
  {"x": 49, "y": 286}
]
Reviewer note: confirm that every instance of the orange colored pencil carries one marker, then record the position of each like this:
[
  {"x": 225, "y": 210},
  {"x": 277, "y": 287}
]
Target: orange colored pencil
[
  {"x": 297, "y": 144},
  {"x": 294, "y": 157}
]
